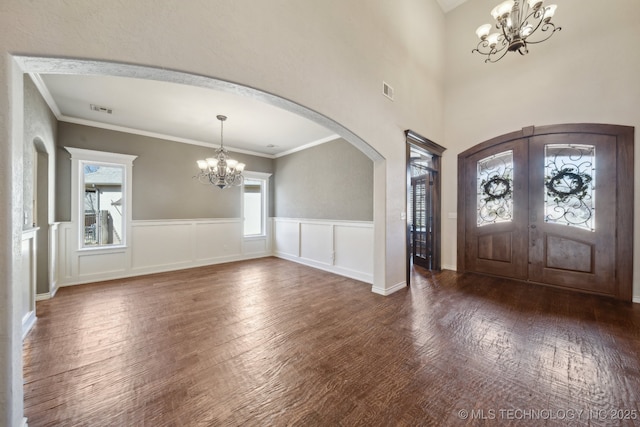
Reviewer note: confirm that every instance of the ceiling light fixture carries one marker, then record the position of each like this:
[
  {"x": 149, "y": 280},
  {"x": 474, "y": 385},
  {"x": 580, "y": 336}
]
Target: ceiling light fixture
[
  {"x": 220, "y": 171},
  {"x": 516, "y": 22}
]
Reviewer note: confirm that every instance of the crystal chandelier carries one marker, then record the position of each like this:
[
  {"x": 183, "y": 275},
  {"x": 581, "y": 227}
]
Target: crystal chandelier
[
  {"x": 516, "y": 22},
  {"x": 220, "y": 170}
]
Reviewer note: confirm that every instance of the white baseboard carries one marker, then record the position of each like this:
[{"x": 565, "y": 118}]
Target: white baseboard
[
  {"x": 636, "y": 300},
  {"x": 161, "y": 268},
  {"x": 48, "y": 295},
  {"x": 388, "y": 291},
  {"x": 164, "y": 269},
  {"x": 341, "y": 271},
  {"x": 24, "y": 422},
  {"x": 27, "y": 323}
]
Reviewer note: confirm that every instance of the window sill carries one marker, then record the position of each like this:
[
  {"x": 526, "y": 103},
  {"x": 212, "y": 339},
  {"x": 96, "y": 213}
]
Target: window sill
[
  {"x": 105, "y": 249},
  {"x": 256, "y": 237}
]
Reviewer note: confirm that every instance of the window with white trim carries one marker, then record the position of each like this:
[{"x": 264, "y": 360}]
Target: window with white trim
[
  {"x": 101, "y": 197},
  {"x": 255, "y": 190}
]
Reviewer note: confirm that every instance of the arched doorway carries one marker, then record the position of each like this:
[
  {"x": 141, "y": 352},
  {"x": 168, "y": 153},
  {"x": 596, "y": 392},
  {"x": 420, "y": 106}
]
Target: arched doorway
[
  {"x": 551, "y": 205},
  {"x": 88, "y": 67}
]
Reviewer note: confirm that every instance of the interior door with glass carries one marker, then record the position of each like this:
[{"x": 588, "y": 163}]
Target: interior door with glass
[{"x": 422, "y": 220}]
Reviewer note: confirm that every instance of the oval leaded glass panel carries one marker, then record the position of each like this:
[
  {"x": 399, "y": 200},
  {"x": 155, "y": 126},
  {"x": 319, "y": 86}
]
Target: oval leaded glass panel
[
  {"x": 569, "y": 185},
  {"x": 495, "y": 189}
]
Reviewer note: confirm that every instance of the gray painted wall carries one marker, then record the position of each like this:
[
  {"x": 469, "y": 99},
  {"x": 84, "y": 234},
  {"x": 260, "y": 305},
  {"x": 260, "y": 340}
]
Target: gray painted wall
[
  {"x": 40, "y": 125},
  {"x": 40, "y": 129},
  {"x": 304, "y": 189},
  {"x": 163, "y": 187}
]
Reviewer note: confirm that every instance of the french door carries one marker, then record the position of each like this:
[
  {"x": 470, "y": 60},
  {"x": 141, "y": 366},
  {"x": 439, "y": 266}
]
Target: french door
[
  {"x": 552, "y": 205},
  {"x": 422, "y": 219}
]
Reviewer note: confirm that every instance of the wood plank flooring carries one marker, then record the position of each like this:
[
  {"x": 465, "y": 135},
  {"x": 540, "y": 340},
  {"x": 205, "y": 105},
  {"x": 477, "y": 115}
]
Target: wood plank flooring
[{"x": 268, "y": 343}]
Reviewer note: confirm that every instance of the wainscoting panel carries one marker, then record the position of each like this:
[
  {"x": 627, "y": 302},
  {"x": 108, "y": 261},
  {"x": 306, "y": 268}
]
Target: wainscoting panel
[
  {"x": 256, "y": 246},
  {"x": 54, "y": 271},
  {"x": 65, "y": 256},
  {"x": 316, "y": 242},
  {"x": 354, "y": 247},
  {"x": 286, "y": 237},
  {"x": 94, "y": 265},
  {"x": 185, "y": 243},
  {"x": 28, "y": 280},
  {"x": 54, "y": 265},
  {"x": 216, "y": 240},
  {"x": 161, "y": 244},
  {"x": 152, "y": 247},
  {"x": 341, "y": 247}
]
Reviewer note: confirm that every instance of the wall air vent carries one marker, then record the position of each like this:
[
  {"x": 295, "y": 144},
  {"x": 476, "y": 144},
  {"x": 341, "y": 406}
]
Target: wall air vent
[
  {"x": 387, "y": 90},
  {"x": 100, "y": 109}
]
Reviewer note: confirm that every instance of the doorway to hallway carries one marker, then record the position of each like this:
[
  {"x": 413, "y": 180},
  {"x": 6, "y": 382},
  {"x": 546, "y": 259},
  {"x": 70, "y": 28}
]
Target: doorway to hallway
[{"x": 423, "y": 202}]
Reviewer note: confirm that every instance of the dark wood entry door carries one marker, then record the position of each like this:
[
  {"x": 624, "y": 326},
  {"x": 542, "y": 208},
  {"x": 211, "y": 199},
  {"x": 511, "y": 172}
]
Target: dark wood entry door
[
  {"x": 572, "y": 237},
  {"x": 496, "y": 226},
  {"x": 552, "y": 205}
]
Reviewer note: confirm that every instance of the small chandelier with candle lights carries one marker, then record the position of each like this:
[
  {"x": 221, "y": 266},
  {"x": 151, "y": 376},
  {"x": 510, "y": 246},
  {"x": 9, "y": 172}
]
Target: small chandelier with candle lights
[
  {"x": 517, "y": 23},
  {"x": 220, "y": 170}
]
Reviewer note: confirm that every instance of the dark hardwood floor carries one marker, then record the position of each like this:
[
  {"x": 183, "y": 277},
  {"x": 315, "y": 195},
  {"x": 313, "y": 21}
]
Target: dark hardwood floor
[{"x": 269, "y": 342}]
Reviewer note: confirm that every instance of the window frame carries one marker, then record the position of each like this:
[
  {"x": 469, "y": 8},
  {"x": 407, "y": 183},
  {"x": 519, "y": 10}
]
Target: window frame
[
  {"x": 80, "y": 158},
  {"x": 264, "y": 208}
]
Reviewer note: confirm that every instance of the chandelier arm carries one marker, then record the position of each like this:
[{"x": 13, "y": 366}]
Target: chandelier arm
[
  {"x": 483, "y": 45},
  {"x": 504, "y": 44},
  {"x": 545, "y": 28},
  {"x": 537, "y": 15},
  {"x": 490, "y": 59},
  {"x": 202, "y": 178},
  {"x": 504, "y": 35}
]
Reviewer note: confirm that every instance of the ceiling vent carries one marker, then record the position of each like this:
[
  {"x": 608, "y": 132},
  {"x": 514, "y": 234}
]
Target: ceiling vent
[
  {"x": 100, "y": 109},
  {"x": 387, "y": 90}
]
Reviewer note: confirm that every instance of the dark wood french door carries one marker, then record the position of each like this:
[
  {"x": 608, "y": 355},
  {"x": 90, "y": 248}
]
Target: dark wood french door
[
  {"x": 422, "y": 215},
  {"x": 552, "y": 205}
]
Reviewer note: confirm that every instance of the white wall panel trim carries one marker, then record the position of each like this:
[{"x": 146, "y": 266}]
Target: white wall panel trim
[
  {"x": 28, "y": 283},
  {"x": 157, "y": 246},
  {"x": 340, "y": 247},
  {"x": 365, "y": 224}
]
